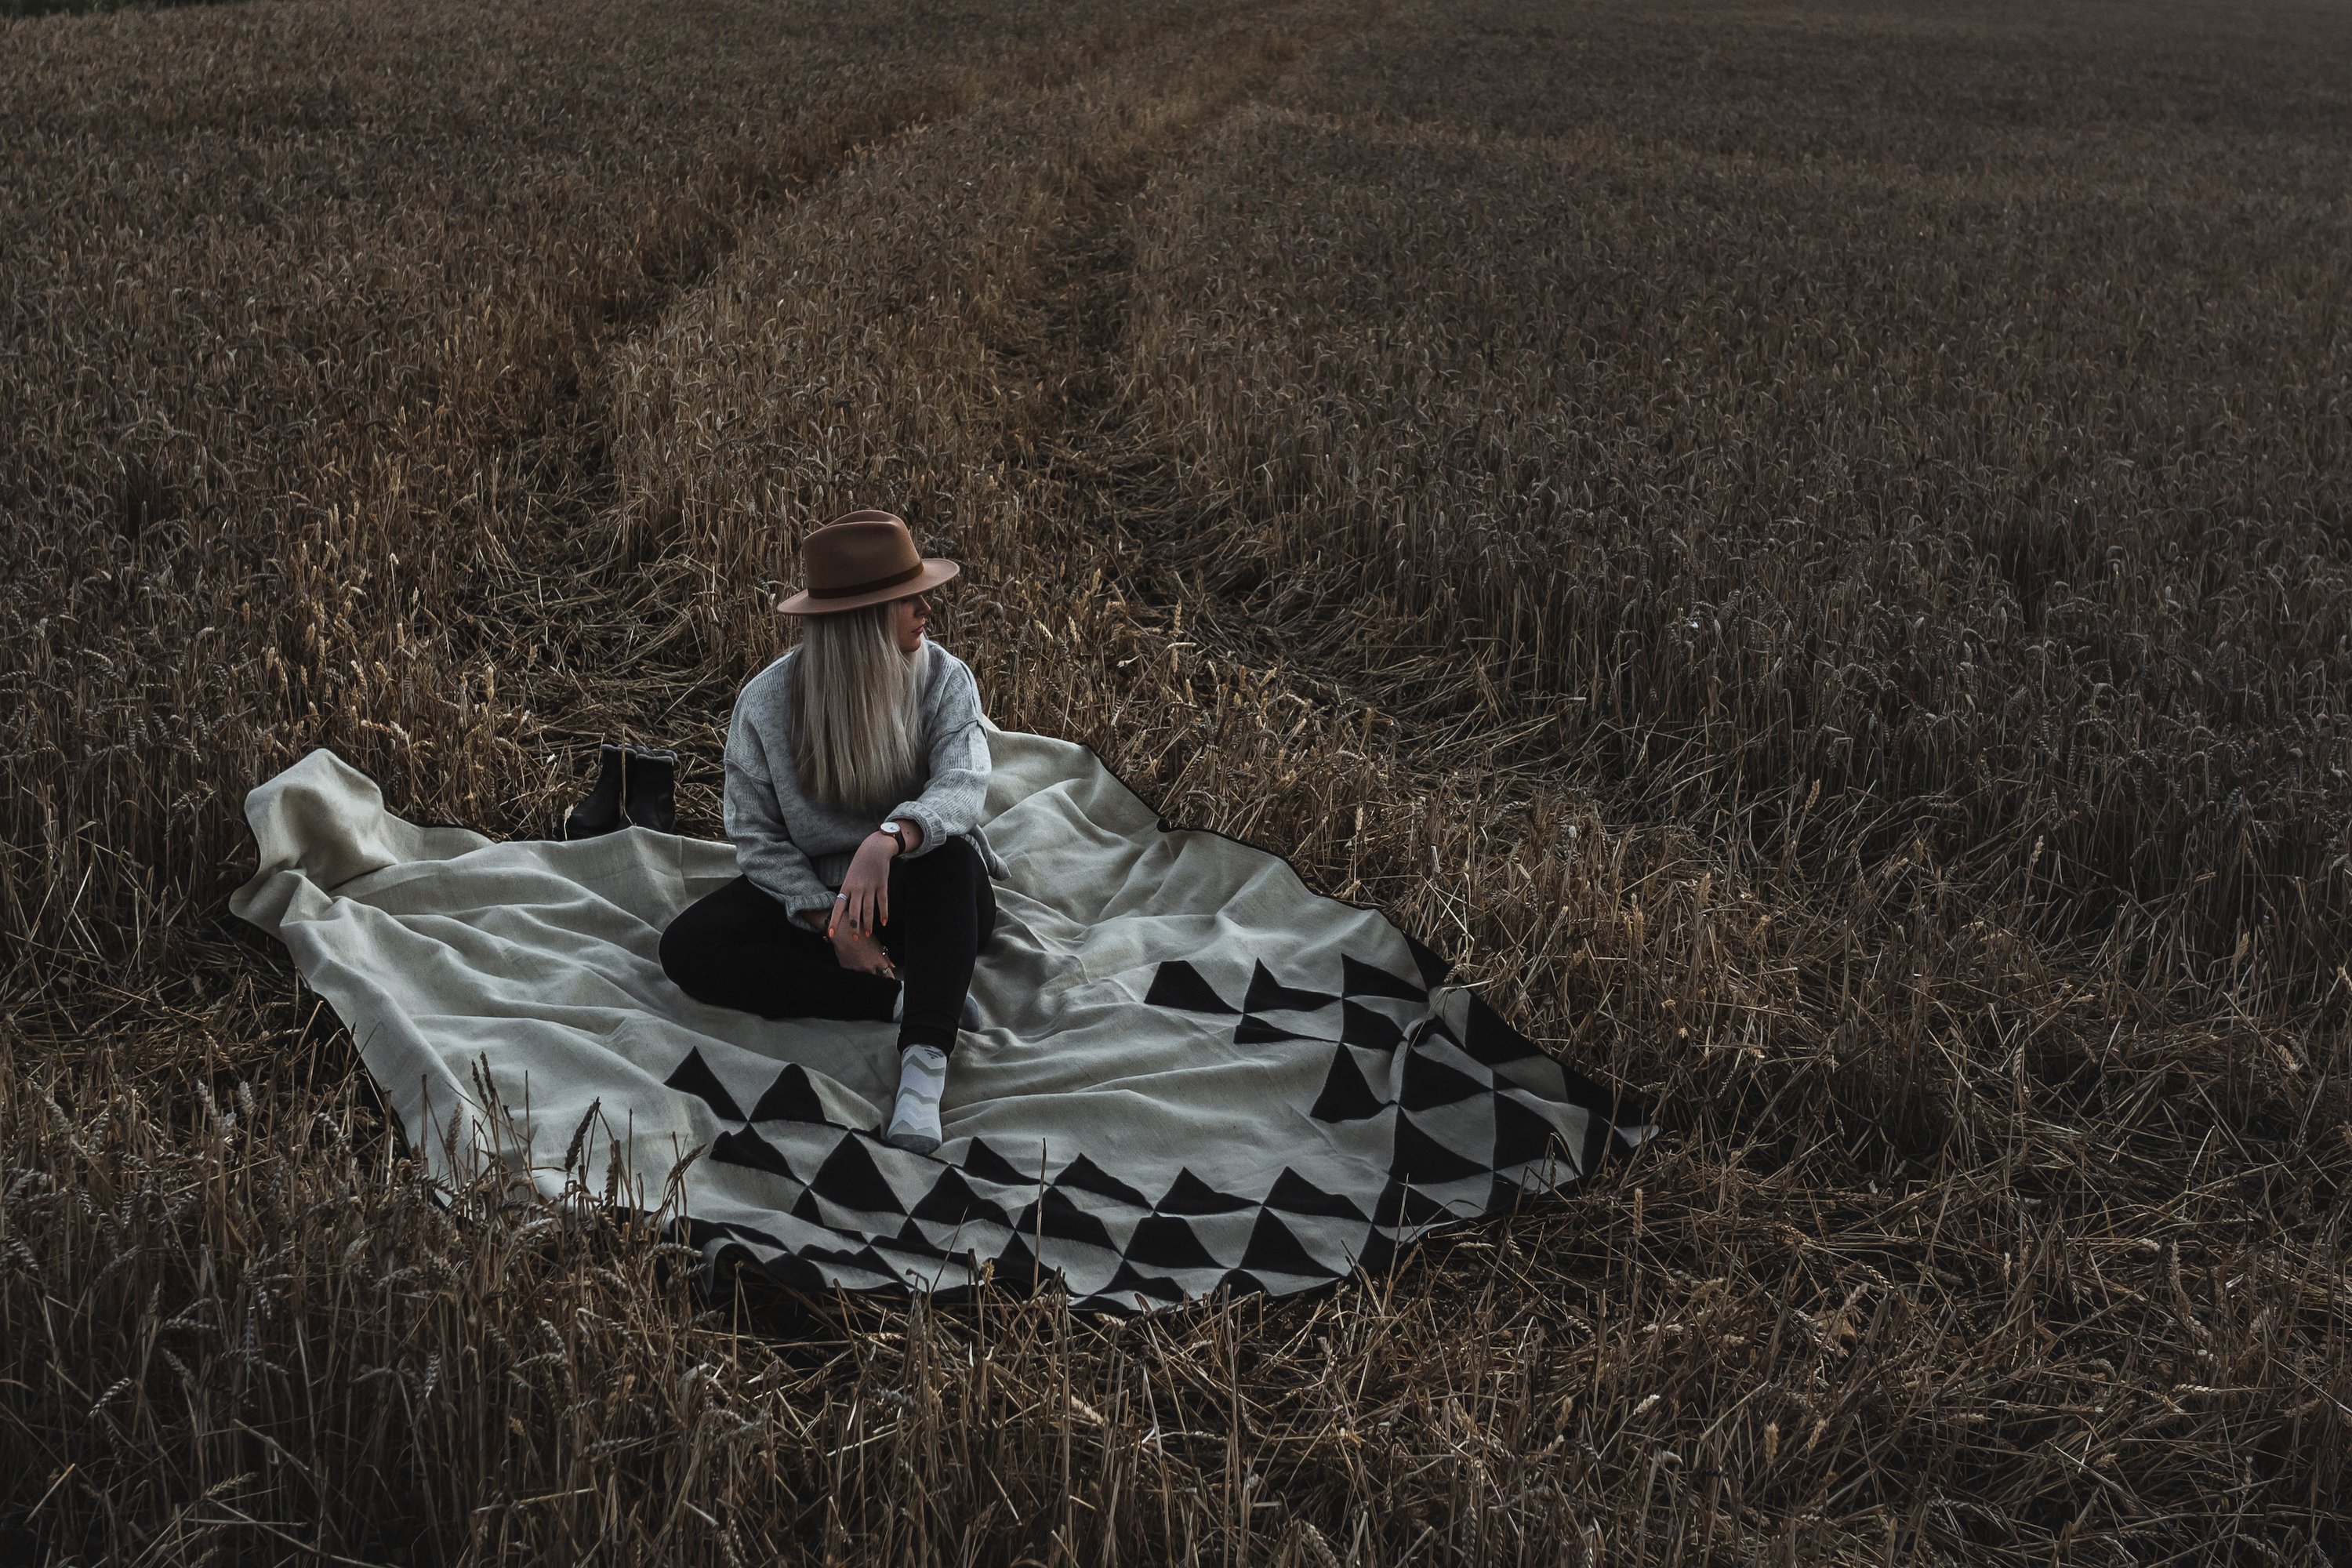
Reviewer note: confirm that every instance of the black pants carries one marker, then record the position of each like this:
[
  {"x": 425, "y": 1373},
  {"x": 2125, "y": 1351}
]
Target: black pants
[{"x": 739, "y": 948}]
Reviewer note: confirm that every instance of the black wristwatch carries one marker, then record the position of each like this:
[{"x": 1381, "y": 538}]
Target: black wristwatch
[{"x": 896, "y": 833}]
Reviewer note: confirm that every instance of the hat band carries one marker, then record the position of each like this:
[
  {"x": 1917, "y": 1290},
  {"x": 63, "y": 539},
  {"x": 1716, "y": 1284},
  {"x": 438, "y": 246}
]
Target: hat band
[{"x": 868, "y": 586}]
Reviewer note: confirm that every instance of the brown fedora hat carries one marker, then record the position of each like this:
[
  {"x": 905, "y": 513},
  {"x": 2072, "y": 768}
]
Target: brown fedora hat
[{"x": 863, "y": 559}]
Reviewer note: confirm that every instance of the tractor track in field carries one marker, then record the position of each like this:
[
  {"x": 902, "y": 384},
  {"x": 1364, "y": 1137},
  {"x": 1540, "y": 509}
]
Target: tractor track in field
[
  {"x": 1076, "y": 445},
  {"x": 572, "y": 488},
  {"x": 1113, "y": 486}
]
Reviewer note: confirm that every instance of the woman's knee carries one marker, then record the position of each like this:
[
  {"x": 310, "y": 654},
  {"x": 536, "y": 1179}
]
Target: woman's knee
[
  {"x": 949, "y": 880},
  {"x": 682, "y": 954},
  {"x": 692, "y": 939},
  {"x": 944, "y": 872}
]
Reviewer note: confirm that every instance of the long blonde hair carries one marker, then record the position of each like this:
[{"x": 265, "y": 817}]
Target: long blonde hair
[{"x": 858, "y": 730}]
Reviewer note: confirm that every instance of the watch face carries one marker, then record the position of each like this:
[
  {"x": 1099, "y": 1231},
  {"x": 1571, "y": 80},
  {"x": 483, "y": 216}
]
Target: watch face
[{"x": 890, "y": 826}]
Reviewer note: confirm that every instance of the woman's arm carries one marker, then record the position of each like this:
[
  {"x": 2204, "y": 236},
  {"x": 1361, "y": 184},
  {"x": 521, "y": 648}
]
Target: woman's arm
[
  {"x": 952, "y": 801},
  {"x": 764, "y": 850}
]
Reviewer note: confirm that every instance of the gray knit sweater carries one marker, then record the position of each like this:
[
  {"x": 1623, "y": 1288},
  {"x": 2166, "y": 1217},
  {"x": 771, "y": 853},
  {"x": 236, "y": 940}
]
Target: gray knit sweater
[{"x": 796, "y": 850}]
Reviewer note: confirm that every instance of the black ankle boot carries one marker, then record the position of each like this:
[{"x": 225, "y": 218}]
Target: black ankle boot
[
  {"x": 600, "y": 812},
  {"x": 652, "y": 790}
]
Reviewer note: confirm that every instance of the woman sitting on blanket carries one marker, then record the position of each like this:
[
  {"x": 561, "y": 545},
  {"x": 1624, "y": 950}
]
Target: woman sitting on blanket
[{"x": 856, "y": 766}]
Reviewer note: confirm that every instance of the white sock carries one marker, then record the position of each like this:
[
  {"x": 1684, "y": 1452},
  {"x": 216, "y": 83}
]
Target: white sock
[{"x": 922, "y": 1077}]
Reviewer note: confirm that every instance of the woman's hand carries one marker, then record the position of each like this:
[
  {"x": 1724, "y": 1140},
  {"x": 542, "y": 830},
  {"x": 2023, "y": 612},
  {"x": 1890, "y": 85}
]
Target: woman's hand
[
  {"x": 862, "y": 953},
  {"x": 864, "y": 907}
]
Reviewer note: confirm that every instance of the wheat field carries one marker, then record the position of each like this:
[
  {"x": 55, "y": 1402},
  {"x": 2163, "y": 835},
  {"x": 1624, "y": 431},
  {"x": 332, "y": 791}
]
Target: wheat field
[{"x": 1803, "y": 543}]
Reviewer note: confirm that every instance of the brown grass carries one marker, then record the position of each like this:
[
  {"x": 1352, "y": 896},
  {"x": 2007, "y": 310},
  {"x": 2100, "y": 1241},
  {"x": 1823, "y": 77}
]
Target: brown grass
[{"x": 1802, "y": 544}]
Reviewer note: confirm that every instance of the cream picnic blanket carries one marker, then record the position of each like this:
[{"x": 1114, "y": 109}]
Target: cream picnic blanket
[{"x": 1191, "y": 1071}]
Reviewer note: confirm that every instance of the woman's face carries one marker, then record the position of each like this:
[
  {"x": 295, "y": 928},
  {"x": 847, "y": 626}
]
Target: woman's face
[{"x": 914, "y": 615}]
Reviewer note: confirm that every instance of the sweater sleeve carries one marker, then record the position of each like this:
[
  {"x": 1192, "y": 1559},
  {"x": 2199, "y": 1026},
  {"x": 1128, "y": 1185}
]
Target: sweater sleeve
[
  {"x": 950, "y": 803},
  {"x": 764, "y": 850}
]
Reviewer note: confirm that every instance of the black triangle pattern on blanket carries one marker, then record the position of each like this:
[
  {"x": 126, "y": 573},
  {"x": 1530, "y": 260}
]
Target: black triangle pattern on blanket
[
  {"x": 792, "y": 1097},
  {"x": 1465, "y": 1111},
  {"x": 1267, "y": 994},
  {"x": 693, "y": 1076},
  {"x": 1177, "y": 984},
  {"x": 1347, "y": 1096}
]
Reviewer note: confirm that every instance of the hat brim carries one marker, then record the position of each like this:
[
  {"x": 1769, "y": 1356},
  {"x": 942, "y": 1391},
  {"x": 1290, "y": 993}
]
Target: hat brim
[{"x": 935, "y": 571}]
